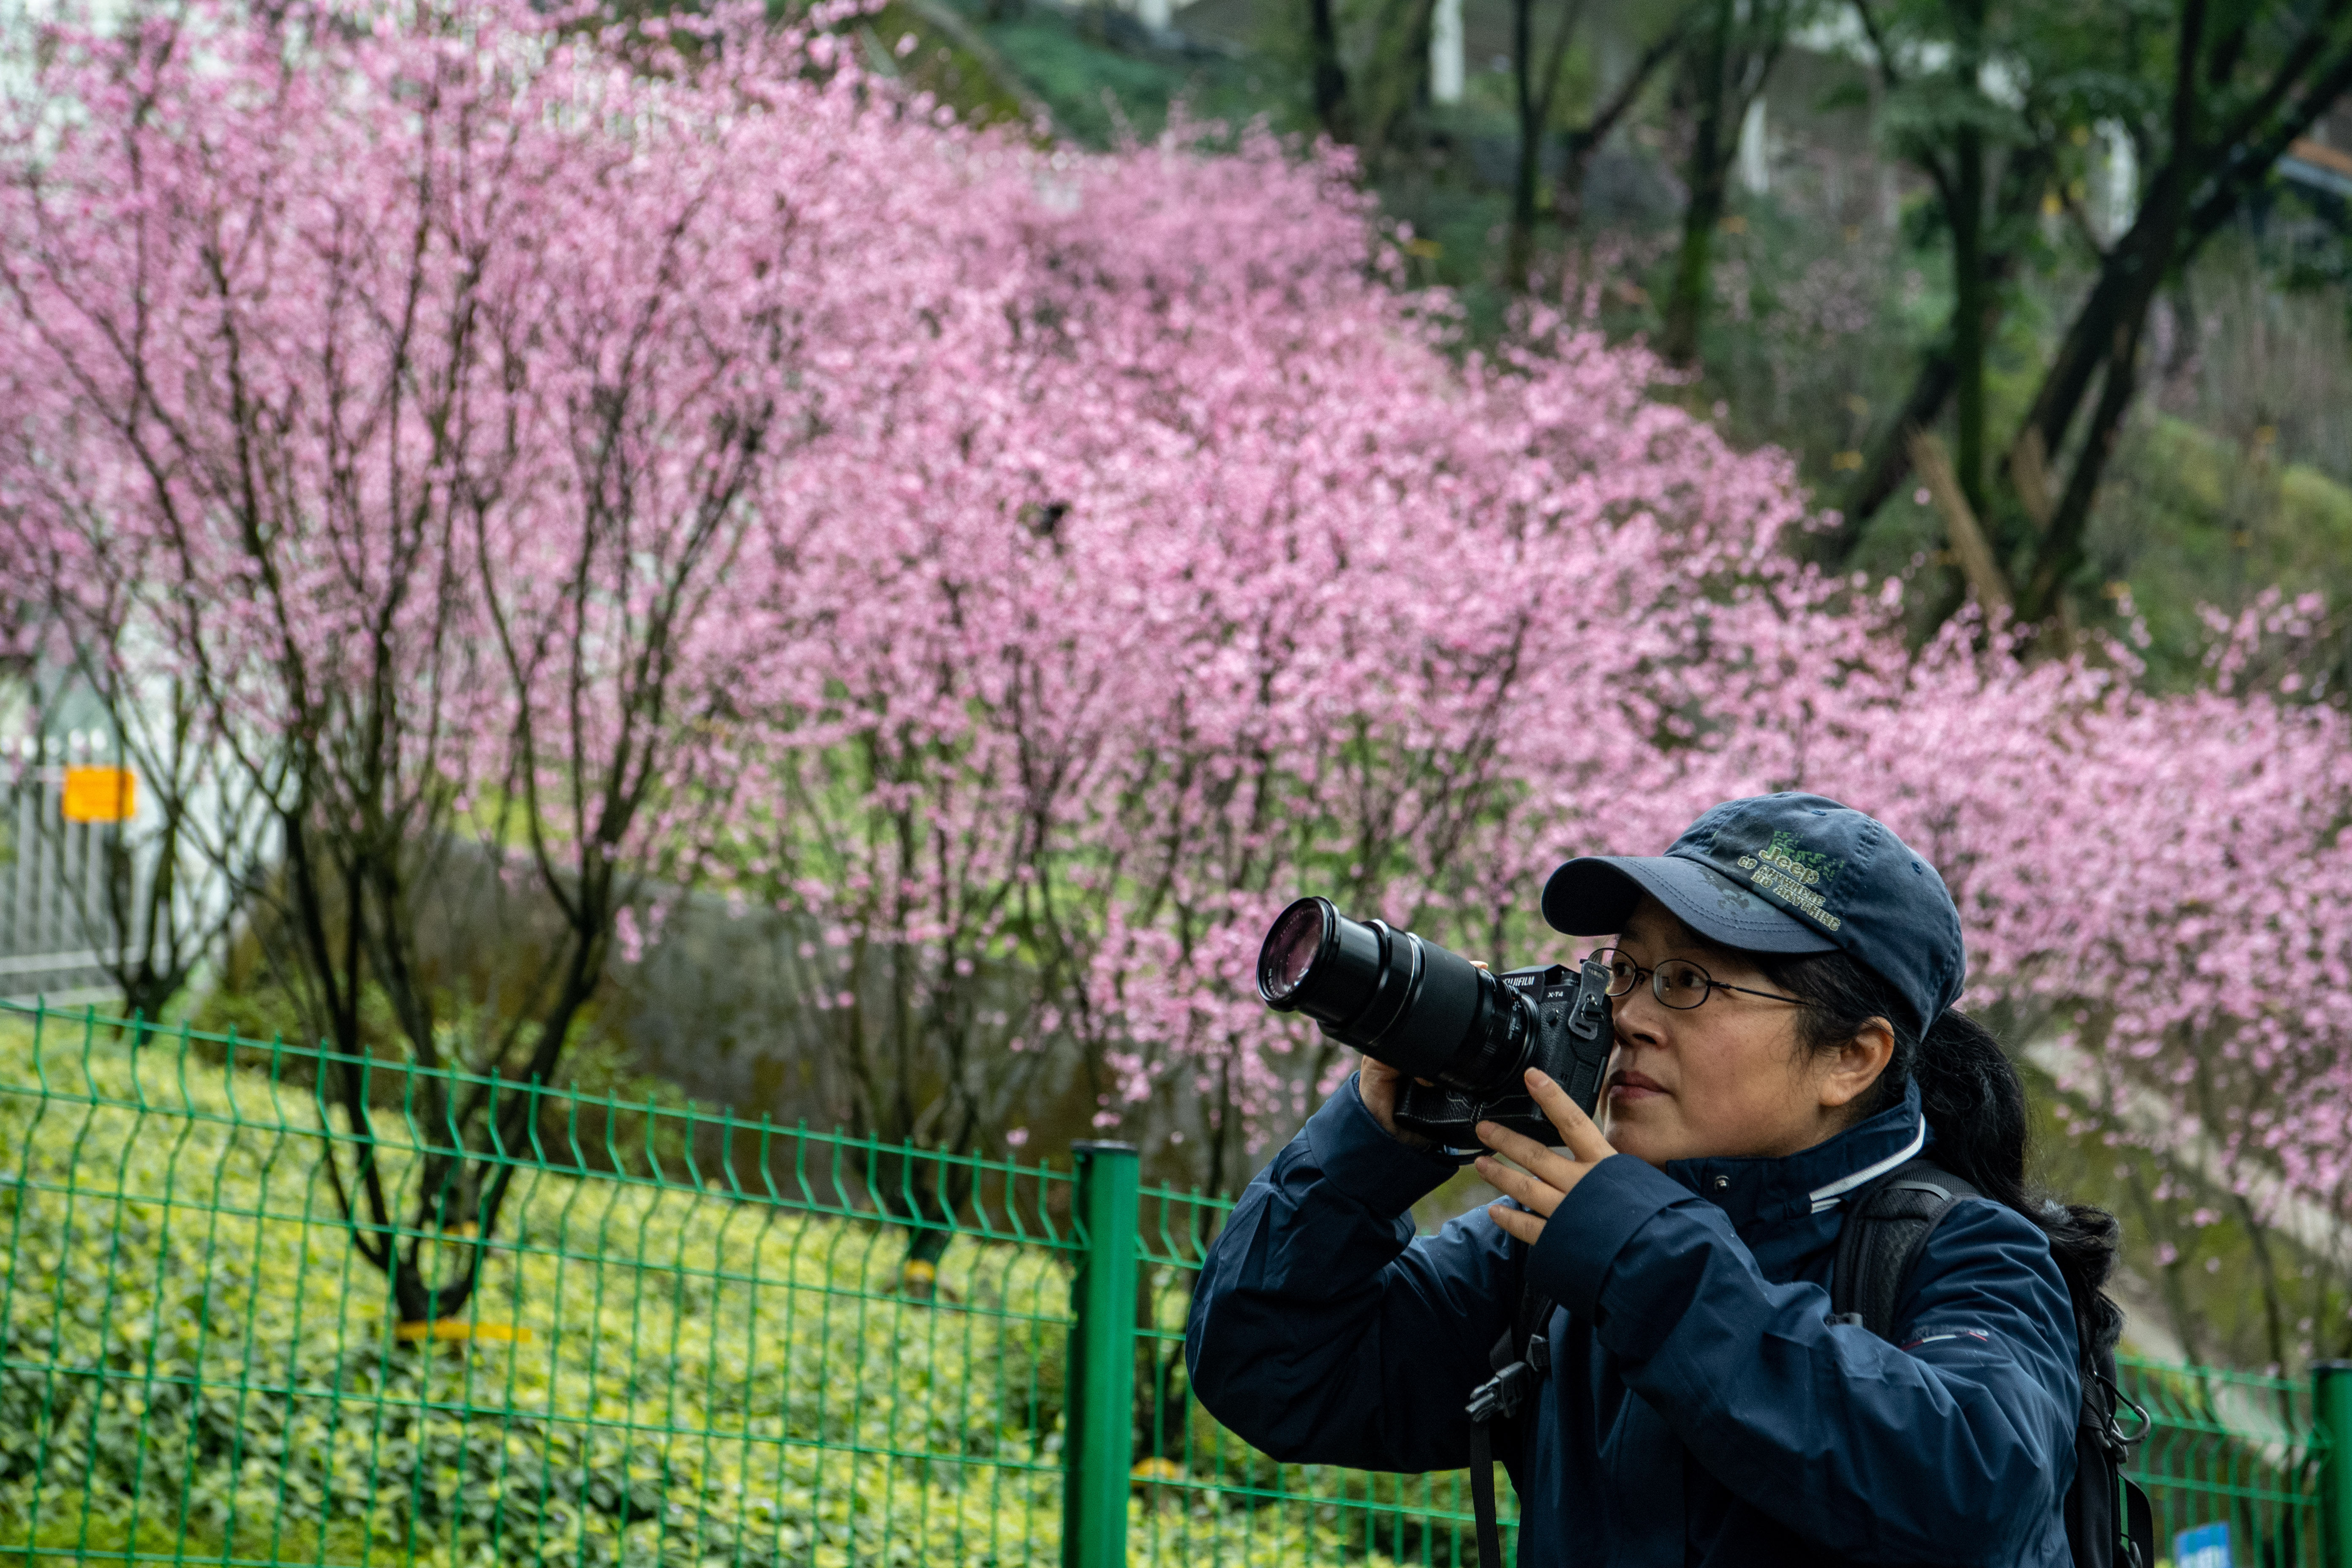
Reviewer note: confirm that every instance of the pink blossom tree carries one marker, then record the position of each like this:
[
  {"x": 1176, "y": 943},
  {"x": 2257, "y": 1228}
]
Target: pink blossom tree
[
  {"x": 1185, "y": 575},
  {"x": 412, "y": 389}
]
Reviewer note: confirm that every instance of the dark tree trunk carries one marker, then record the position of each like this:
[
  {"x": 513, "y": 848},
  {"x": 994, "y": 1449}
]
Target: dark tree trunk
[
  {"x": 1971, "y": 287},
  {"x": 1709, "y": 170},
  {"x": 2200, "y": 184},
  {"x": 1971, "y": 316},
  {"x": 1329, "y": 76},
  {"x": 2062, "y": 554},
  {"x": 1519, "y": 259},
  {"x": 2106, "y": 334},
  {"x": 1384, "y": 101}
]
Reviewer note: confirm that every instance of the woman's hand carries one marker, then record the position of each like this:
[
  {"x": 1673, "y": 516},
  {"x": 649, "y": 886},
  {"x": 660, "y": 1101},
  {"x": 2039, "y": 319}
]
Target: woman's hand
[
  {"x": 1548, "y": 1175},
  {"x": 1377, "y": 1082}
]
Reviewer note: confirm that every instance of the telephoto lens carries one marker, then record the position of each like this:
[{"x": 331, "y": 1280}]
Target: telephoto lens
[{"x": 1426, "y": 1012}]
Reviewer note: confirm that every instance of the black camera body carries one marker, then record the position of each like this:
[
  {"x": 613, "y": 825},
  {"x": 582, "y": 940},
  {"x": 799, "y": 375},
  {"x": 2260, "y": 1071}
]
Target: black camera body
[
  {"x": 1462, "y": 1036},
  {"x": 1573, "y": 1036}
]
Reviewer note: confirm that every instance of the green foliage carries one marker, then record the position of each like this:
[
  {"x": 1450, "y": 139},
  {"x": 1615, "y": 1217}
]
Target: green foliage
[
  {"x": 261, "y": 1011},
  {"x": 2191, "y": 519},
  {"x": 614, "y": 1115},
  {"x": 1102, "y": 85},
  {"x": 946, "y": 56}
]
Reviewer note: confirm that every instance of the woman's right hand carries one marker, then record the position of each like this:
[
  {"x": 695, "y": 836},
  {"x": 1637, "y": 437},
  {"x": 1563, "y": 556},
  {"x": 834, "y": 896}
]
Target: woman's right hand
[{"x": 1377, "y": 1082}]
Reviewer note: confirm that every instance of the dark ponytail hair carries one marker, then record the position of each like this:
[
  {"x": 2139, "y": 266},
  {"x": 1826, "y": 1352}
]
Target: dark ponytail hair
[{"x": 1974, "y": 1101}]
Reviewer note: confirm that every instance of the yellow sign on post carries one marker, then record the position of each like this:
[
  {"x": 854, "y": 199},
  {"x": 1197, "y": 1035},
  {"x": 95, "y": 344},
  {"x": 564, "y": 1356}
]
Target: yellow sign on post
[{"x": 100, "y": 795}]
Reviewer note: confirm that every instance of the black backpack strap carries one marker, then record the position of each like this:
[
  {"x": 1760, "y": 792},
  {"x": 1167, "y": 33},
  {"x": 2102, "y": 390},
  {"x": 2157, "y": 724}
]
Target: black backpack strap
[
  {"x": 1482, "y": 1493},
  {"x": 2108, "y": 1522},
  {"x": 1886, "y": 1228},
  {"x": 1521, "y": 1356},
  {"x": 2139, "y": 1527}
]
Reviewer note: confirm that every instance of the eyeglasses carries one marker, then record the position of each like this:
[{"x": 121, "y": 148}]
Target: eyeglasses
[{"x": 1677, "y": 983}]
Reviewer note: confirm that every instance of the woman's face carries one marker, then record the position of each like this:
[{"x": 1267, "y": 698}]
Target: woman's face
[{"x": 1721, "y": 1081}]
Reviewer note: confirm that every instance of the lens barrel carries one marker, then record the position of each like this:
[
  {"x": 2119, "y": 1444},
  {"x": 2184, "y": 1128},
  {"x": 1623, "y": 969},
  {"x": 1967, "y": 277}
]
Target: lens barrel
[{"x": 1424, "y": 1011}]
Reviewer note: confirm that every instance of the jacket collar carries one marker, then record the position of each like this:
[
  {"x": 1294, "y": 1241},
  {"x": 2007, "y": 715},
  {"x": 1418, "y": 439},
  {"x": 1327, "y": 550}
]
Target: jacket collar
[{"x": 1812, "y": 1181}]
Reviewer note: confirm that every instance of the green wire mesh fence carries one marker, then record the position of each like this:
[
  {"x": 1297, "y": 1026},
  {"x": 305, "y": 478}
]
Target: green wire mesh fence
[
  {"x": 1195, "y": 1475},
  {"x": 689, "y": 1341},
  {"x": 2237, "y": 1449},
  {"x": 677, "y": 1340}
]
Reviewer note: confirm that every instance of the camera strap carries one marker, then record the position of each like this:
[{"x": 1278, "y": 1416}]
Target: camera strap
[{"x": 1521, "y": 1356}]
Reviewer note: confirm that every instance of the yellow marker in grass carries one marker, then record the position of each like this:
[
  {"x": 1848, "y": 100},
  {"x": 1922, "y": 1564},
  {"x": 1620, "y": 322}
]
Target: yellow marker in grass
[{"x": 455, "y": 1330}]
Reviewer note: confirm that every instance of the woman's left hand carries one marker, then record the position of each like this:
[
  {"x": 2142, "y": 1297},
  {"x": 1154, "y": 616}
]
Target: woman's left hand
[{"x": 1547, "y": 1175}]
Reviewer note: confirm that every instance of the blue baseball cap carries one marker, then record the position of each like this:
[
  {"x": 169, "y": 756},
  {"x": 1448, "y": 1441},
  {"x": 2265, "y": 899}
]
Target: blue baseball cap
[{"x": 1786, "y": 873}]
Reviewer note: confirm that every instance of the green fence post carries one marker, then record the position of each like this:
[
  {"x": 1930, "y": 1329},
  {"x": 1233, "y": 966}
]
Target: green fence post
[
  {"x": 1098, "y": 1420},
  {"x": 2331, "y": 1410}
]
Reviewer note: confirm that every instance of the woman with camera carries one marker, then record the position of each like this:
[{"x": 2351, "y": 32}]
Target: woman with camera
[{"x": 1781, "y": 981}]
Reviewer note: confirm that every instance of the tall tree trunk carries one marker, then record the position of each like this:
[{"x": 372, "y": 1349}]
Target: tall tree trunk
[
  {"x": 1709, "y": 171},
  {"x": 1330, "y": 77},
  {"x": 2024, "y": 175},
  {"x": 2202, "y": 181},
  {"x": 2106, "y": 335},
  {"x": 1383, "y": 99},
  {"x": 1519, "y": 256},
  {"x": 1971, "y": 318},
  {"x": 1971, "y": 287},
  {"x": 2062, "y": 554}
]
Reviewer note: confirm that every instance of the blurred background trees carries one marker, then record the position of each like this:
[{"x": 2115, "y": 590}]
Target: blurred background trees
[
  {"x": 860, "y": 611},
  {"x": 2057, "y": 242}
]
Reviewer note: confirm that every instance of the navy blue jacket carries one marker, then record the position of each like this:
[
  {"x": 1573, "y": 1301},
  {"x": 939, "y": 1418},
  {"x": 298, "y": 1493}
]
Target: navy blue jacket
[{"x": 1701, "y": 1407}]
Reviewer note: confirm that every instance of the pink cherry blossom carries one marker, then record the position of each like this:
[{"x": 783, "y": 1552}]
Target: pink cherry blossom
[{"x": 1032, "y": 568}]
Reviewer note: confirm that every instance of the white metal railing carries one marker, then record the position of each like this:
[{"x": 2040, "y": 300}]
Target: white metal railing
[
  {"x": 56, "y": 925},
  {"x": 74, "y": 895}
]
